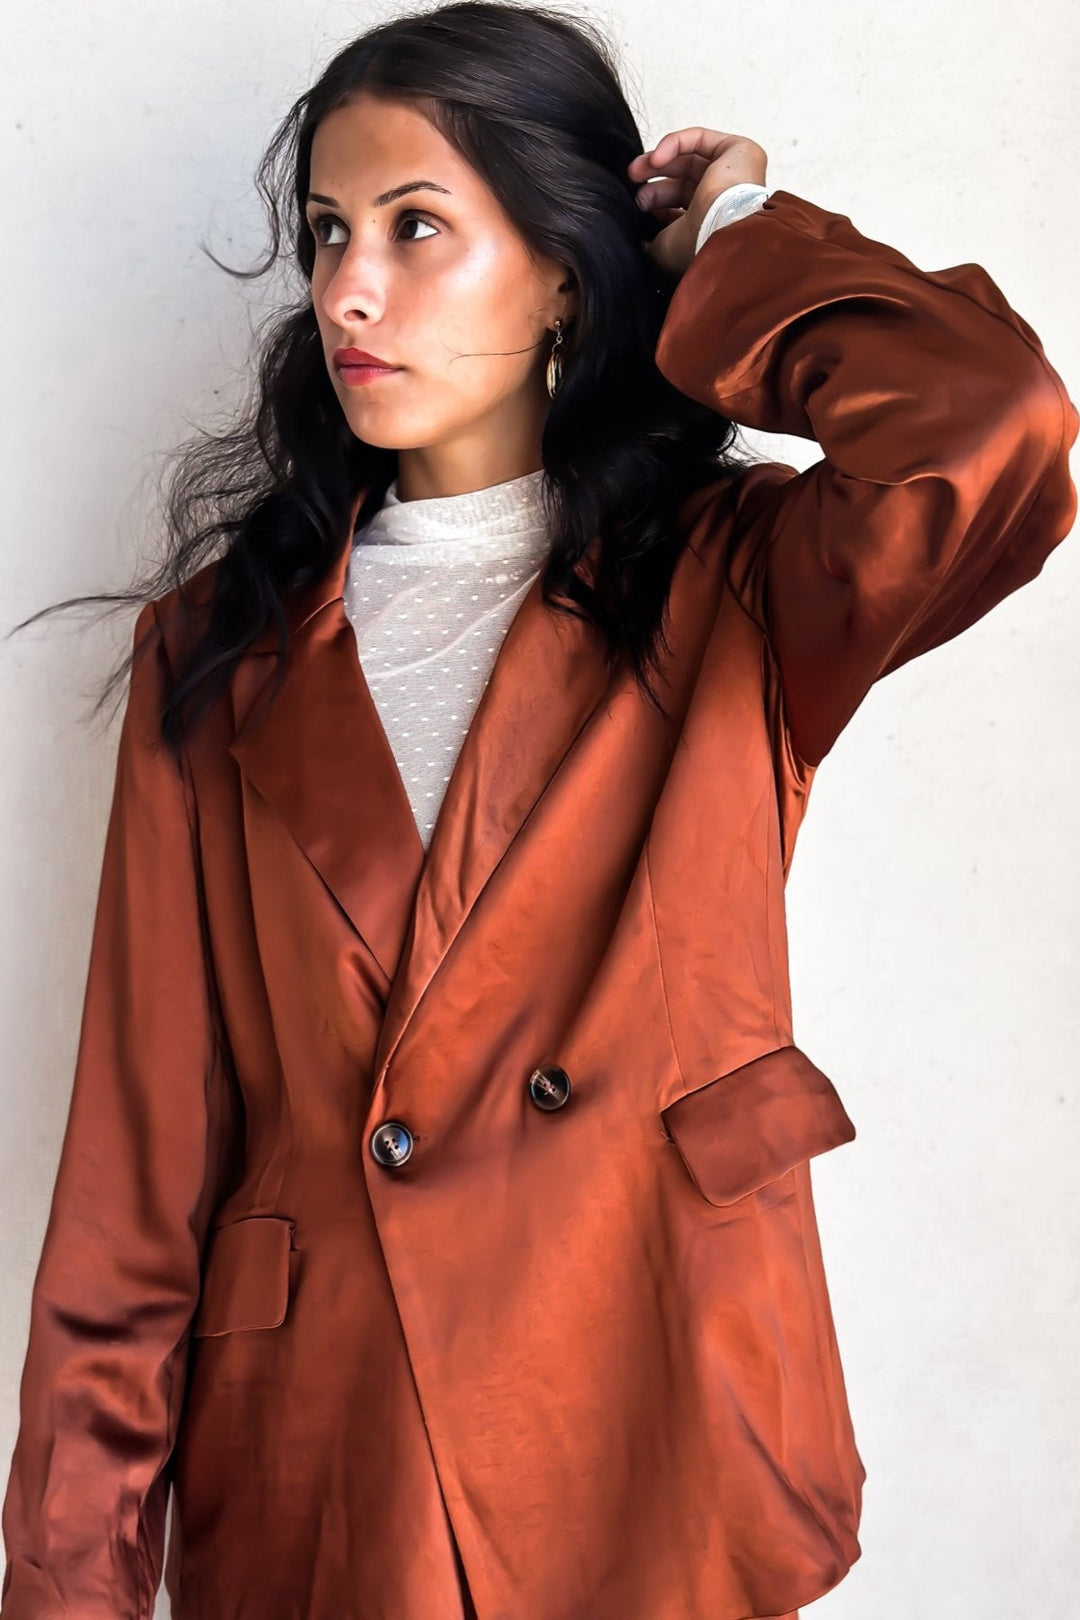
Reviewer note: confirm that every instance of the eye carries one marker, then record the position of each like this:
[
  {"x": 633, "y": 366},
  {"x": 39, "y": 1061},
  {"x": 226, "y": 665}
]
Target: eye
[
  {"x": 420, "y": 220},
  {"x": 319, "y": 220}
]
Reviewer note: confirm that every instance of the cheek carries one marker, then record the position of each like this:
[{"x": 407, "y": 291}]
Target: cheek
[{"x": 476, "y": 317}]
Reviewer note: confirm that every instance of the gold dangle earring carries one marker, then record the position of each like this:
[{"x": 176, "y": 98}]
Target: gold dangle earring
[{"x": 555, "y": 360}]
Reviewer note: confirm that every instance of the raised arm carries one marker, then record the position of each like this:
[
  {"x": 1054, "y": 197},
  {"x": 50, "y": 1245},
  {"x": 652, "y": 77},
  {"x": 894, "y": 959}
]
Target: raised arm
[
  {"x": 118, "y": 1277},
  {"x": 945, "y": 480}
]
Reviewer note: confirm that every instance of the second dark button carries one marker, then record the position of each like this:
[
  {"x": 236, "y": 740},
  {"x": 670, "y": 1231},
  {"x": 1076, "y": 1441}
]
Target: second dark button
[{"x": 391, "y": 1143}]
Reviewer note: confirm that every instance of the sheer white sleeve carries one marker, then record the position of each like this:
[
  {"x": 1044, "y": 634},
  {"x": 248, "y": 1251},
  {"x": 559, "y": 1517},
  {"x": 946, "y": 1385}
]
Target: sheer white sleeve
[{"x": 745, "y": 197}]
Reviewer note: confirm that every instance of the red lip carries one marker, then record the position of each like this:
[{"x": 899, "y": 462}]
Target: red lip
[{"x": 360, "y": 357}]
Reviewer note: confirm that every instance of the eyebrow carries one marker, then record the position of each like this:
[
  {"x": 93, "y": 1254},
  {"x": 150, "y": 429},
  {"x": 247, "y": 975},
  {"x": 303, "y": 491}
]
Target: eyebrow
[{"x": 385, "y": 197}]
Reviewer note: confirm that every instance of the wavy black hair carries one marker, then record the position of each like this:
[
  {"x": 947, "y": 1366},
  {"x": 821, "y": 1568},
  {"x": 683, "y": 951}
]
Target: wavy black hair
[{"x": 531, "y": 98}]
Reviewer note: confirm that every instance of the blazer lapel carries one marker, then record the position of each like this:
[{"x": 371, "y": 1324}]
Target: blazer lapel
[
  {"x": 548, "y": 676},
  {"x": 320, "y": 757}
]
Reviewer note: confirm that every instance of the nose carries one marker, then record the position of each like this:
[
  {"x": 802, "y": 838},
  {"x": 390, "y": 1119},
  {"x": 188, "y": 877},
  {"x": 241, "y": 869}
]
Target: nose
[{"x": 356, "y": 291}]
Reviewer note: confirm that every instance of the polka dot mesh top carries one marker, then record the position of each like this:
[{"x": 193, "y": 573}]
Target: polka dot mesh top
[{"x": 430, "y": 590}]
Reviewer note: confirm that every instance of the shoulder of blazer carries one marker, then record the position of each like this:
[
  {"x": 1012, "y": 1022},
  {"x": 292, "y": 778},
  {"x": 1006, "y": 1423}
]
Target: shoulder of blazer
[
  {"x": 179, "y": 610},
  {"x": 725, "y": 523},
  {"x": 747, "y": 540}
]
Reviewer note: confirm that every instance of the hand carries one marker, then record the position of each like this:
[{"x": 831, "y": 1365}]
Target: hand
[{"x": 697, "y": 165}]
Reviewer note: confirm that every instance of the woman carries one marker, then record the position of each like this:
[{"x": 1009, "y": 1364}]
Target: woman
[{"x": 434, "y": 1213}]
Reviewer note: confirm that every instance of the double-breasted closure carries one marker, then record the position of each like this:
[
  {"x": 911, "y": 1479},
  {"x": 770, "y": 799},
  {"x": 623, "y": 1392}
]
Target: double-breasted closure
[{"x": 573, "y": 1327}]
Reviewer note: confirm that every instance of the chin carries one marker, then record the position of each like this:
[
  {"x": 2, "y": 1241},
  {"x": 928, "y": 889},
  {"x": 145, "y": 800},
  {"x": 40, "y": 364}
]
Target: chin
[
  {"x": 378, "y": 439},
  {"x": 385, "y": 430}
]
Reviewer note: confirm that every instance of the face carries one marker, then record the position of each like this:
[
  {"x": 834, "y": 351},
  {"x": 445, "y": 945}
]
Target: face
[{"x": 436, "y": 282}]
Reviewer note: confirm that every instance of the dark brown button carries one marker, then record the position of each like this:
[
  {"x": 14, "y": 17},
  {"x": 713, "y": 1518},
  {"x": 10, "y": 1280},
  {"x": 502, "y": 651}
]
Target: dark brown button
[{"x": 549, "y": 1086}]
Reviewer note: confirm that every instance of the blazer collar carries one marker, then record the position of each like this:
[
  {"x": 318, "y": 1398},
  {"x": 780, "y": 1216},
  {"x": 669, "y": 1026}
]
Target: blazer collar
[{"x": 321, "y": 759}]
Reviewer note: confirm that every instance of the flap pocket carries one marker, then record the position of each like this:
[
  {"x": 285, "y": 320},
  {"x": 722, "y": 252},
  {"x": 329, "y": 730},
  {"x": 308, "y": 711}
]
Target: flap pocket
[
  {"x": 245, "y": 1276},
  {"x": 749, "y": 1126}
]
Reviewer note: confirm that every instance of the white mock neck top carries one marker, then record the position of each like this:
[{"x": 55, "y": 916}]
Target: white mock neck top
[{"x": 431, "y": 588}]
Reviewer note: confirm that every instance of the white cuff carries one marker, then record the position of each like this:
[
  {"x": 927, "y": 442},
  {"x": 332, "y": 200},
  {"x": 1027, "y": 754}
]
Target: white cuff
[{"x": 745, "y": 197}]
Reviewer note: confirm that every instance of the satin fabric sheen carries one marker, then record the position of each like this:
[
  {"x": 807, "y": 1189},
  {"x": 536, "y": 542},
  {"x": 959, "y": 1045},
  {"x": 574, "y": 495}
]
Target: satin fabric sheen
[{"x": 588, "y": 1351}]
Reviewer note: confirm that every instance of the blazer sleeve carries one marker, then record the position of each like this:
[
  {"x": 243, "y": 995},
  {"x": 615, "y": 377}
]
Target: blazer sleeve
[
  {"x": 944, "y": 482},
  {"x": 119, "y": 1272}
]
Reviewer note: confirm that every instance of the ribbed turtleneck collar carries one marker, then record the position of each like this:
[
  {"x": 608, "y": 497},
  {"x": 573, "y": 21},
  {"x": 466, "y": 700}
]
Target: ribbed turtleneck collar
[{"x": 502, "y": 520}]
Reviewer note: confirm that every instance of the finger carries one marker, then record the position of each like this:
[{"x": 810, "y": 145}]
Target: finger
[
  {"x": 658, "y": 194},
  {"x": 645, "y": 165},
  {"x": 690, "y": 168},
  {"x": 694, "y": 140}
]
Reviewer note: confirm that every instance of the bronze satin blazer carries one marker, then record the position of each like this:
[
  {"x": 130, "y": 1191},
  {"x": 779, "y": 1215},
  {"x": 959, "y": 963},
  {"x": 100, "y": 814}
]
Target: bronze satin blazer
[{"x": 580, "y": 1336}]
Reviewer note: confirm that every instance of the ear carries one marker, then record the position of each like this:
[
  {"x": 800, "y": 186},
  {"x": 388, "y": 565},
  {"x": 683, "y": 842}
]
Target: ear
[{"x": 566, "y": 307}]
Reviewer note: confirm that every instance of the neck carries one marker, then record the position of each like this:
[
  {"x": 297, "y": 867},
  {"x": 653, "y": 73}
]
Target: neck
[{"x": 479, "y": 459}]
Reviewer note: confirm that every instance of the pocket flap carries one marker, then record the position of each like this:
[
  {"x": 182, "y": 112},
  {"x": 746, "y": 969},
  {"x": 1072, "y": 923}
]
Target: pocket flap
[
  {"x": 749, "y": 1126},
  {"x": 245, "y": 1276}
]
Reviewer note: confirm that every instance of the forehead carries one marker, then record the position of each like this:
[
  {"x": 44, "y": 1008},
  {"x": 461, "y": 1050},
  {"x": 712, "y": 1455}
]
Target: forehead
[{"x": 372, "y": 143}]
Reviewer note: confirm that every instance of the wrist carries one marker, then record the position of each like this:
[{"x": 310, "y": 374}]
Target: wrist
[{"x": 733, "y": 202}]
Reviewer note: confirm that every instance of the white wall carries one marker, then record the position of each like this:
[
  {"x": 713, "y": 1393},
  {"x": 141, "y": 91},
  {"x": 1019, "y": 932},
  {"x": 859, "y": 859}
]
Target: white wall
[{"x": 934, "y": 898}]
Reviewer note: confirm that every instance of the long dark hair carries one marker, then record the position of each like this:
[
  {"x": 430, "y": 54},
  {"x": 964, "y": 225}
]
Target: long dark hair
[{"x": 531, "y": 98}]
